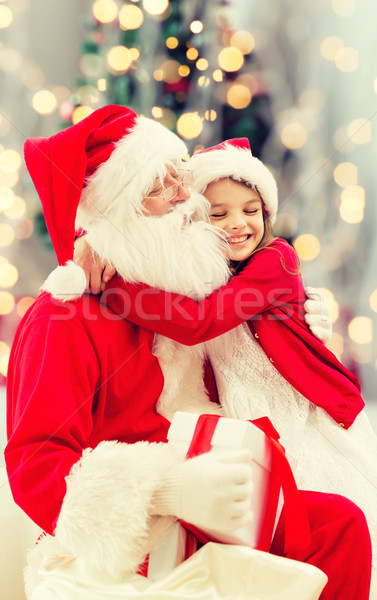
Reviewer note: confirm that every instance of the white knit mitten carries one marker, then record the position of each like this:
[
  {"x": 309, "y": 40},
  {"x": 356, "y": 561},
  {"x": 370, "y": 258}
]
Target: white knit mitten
[
  {"x": 211, "y": 491},
  {"x": 318, "y": 314}
]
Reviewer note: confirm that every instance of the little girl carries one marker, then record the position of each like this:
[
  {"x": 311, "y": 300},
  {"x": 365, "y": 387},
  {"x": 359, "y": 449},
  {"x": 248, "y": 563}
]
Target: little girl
[{"x": 269, "y": 364}]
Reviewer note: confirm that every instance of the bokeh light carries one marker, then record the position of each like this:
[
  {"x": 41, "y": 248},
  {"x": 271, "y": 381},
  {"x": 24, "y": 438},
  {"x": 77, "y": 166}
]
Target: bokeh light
[
  {"x": 204, "y": 81},
  {"x": 155, "y": 7},
  {"x": 330, "y": 46},
  {"x": 157, "y": 112},
  {"x": 4, "y": 348},
  {"x": 130, "y": 17},
  {"x": 80, "y": 113},
  {"x": 6, "y": 234},
  {"x": 351, "y": 210},
  {"x": 196, "y": 26},
  {"x": 184, "y": 70},
  {"x": 172, "y": 42},
  {"x": 218, "y": 75},
  {"x": 360, "y": 131},
  {"x": 345, "y": 174},
  {"x": 101, "y": 84},
  {"x": 190, "y": 125},
  {"x": 10, "y": 159},
  {"x": 244, "y": 41},
  {"x": 91, "y": 65},
  {"x": 230, "y": 59},
  {"x": 238, "y": 96},
  {"x": 6, "y": 197},
  {"x": 344, "y": 8},
  {"x": 336, "y": 344},
  {"x": 17, "y": 209},
  {"x": 8, "y": 275},
  {"x": 6, "y": 16},
  {"x": 210, "y": 115},
  {"x": 24, "y": 304},
  {"x": 331, "y": 303},
  {"x": 10, "y": 60},
  {"x": 360, "y": 330},
  {"x": 7, "y": 303},
  {"x": 4, "y": 362},
  {"x": 294, "y": 136},
  {"x": 192, "y": 53},
  {"x": 170, "y": 72},
  {"x": 347, "y": 59},
  {"x": 202, "y": 64},
  {"x": 119, "y": 60},
  {"x": 105, "y": 11},
  {"x": 373, "y": 300},
  {"x": 44, "y": 102},
  {"x": 307, "y": 246}
]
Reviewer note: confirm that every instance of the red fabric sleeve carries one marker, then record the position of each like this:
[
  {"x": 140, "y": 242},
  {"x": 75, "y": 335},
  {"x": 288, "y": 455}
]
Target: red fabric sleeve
[
  {"x": 52, "y": 377},
  {"x": 270, "y": 280}
]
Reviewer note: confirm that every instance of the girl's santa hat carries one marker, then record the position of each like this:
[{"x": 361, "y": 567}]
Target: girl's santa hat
[
  {"x": 233, "y": 158},
  {"x": 97, "y": 170}
]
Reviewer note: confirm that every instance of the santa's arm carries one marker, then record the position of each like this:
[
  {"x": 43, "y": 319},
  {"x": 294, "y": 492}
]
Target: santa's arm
[
  {"x": 270, "y": 280},
  {"x": 95, "y": 500}
]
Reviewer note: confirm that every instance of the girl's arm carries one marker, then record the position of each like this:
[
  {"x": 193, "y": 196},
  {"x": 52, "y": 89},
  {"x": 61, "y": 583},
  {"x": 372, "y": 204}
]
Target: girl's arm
[{"x": 270, "y": 282}]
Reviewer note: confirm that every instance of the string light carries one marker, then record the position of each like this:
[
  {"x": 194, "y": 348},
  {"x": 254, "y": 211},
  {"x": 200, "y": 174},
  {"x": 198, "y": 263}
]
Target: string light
[
  {"x": 192, "y": 53},
  {"x": 218, "y": 75},
  {"x": 203, "y": 81},
  {"x": 210, "y": 115},
  {"x": 184, "y": 70}
]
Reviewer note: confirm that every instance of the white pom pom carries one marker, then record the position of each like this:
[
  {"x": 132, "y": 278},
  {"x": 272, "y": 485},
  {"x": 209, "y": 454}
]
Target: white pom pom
[{"x": 66, "y": 283}]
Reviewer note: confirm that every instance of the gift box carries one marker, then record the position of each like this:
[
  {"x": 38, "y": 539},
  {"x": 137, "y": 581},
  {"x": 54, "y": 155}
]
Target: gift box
[
  {"x": 192, "y": 434},
  {"x": 236, "y": 434}
]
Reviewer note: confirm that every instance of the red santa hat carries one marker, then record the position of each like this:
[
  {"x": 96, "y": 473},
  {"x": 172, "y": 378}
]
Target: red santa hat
[
  {"x": 233, "y": 158},
  {"x": 100, "y": 168}
]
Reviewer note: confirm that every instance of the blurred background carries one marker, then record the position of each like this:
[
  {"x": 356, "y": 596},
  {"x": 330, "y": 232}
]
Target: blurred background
[{"x": 299, "y": 79}]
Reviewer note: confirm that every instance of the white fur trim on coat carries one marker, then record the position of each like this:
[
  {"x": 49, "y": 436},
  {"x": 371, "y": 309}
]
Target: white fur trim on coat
[
  {"x": 116, "y": 190},
  {"x": 66, "y": 282},
  {"x": 239, "y": 164},
  {"x": 104, "y": 516}
]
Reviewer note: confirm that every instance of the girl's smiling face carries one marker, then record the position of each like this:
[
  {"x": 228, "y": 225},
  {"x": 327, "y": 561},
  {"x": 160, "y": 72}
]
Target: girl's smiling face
[{"x": 238, "y": 210}]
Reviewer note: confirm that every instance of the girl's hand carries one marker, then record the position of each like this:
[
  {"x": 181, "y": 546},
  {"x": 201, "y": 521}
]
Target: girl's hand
[
  {"x": 317, "y": 315},
  {"x": 97, "y": 272}
]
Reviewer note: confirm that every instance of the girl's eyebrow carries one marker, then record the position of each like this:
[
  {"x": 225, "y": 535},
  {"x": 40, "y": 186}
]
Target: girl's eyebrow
[{"x": 217, "y": 205}]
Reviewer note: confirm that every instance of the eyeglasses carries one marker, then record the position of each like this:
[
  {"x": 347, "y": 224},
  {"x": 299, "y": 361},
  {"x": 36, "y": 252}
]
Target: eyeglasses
[{"x": 169, "y": 193}]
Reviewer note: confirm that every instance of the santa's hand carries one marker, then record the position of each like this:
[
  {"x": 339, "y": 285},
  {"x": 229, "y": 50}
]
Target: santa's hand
[
  {"x": 97, "y": 272},
  {"x": 211, "y": 491},
  {"x": 318, "y": 315}
]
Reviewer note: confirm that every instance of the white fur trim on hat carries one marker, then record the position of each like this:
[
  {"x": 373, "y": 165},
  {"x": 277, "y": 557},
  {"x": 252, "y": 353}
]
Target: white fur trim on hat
[
  {"x": 117, "y": 188},
  {"x": 66, "y": 282},
  {"x": 239, "y": 164}
]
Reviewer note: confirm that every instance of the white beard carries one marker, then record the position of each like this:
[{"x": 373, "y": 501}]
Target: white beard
[{"x": 174, "y": 253}]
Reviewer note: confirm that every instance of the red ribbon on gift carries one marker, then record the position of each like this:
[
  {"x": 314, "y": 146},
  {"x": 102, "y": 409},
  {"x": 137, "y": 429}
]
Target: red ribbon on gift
[{"x": 297, "y": 531}]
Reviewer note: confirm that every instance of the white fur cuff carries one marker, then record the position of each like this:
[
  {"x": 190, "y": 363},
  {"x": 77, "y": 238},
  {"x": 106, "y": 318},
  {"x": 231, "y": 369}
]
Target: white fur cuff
[{"x": 104, "y": 517}]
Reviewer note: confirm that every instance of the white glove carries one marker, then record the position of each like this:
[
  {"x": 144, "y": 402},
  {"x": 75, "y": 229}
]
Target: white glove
[
  {"x": 317, "y": 315},
  {"x": 211, "y": 491}
]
